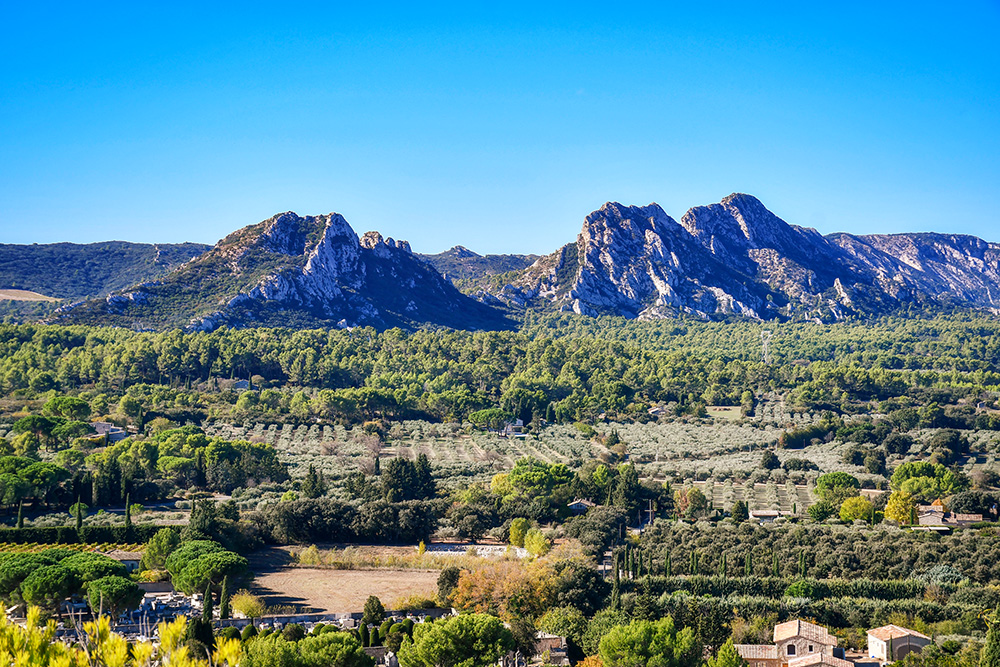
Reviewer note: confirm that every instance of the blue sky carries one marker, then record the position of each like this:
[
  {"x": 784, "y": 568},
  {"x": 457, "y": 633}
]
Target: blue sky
[{"x": 497, "y": 128}]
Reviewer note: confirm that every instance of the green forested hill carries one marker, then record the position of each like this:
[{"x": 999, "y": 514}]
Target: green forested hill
[
  {"x": 564, "y": 374},
  {"x": 76, "y": 271},
  {"x": 471, "y": 272}
]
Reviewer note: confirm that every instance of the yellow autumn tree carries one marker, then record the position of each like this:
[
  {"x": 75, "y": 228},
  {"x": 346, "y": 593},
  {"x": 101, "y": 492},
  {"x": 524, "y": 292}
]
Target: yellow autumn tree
[
  {"x": 35, "y": 644},
  {"x": 900, "y": 507}
]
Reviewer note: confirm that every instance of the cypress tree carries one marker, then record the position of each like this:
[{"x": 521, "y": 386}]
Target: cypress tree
[
  {"x": 224, "y": 598},
  {"x": 616, "y": 594},
  {"x": 667, "y": 570},
  {"x": 206, "y": 609},
  {"x": 802, "y": 564},
  {"x": 128, "y": 511},
  {"x": 20, "y": 515},
  {"x": 694, "y": 563},
  {"x": 722, "y": 566},
  {"x": 748, "y": 565},
  {"x": 79, "y": 514},
  {"x": 990, "y": 656},
  {"x": 365, "y": 637},
  {"x": 775, "y": 570}
]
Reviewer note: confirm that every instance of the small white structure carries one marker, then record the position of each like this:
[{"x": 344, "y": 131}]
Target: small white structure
[
  {"x": 580, "y": 505},
  {"x": 894, "y": 640},
  {"x": 130, "y": 559},
  {"x": 110, "y": 432}
]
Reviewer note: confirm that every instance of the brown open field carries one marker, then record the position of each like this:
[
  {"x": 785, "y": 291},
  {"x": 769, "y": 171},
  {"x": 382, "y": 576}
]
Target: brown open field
[
  {"x": 332, "y": 590},
  {"x": 725, "y": 412},
  {"x": 340, "y": 590},
  {"x": 23, "y": 295}
]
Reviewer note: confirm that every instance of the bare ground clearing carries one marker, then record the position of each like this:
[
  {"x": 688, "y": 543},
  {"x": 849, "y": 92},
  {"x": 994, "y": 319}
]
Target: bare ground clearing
[
  {"x": 332, "y": 590},
  {"x": 23, "y": 295}
]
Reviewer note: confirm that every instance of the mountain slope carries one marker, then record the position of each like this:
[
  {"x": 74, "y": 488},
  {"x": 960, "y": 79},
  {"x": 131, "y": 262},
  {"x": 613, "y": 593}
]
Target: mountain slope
[
  {"x": 75, "y": 271},
  {"x": 474, "y": 274},
  {"x": 736, "y": 257},
  {"x": 294, "y": 271}
]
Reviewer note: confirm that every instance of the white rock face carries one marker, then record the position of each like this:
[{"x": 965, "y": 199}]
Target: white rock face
[
  {"x": 736, "y": 257},
  {"x": 313, "y": 267}
]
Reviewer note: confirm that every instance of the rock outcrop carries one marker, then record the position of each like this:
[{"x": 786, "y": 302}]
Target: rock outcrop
[
  {"x": 738, "y": 258},
  {"x": 295, "y": 271},
  {"x": 734, "y": 258}
]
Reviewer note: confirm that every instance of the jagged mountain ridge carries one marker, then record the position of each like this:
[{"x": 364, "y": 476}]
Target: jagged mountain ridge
[
  {"x": 734, "y": 258},
  {"x": 738, "y": 258},
  {"x": 294, "y": 271}
]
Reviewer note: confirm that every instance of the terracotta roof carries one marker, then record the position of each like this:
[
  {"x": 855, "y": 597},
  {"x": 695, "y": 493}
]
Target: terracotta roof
[
  {"x": 757, "y": 651},
  {"x": 818, "y": 659},
  {"x": 895, "y": 632},
  {"x": 765, "y": 513},
  {"x": 118, "y": 554},
  {"x": 799, "y": 628}
]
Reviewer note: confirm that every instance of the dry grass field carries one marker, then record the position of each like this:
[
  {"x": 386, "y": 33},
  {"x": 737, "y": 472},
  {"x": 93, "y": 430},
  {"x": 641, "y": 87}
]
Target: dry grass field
[
  {"x": 23, "y": 295},
  {"x": 329, "y": 590}
]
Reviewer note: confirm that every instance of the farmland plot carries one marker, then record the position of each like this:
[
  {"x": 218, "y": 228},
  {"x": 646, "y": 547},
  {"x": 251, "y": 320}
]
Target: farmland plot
[{"x": 769, "y": 496}]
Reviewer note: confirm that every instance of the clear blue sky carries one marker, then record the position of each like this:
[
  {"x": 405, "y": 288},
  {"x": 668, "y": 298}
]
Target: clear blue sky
[{"x": 496, "y": 128}]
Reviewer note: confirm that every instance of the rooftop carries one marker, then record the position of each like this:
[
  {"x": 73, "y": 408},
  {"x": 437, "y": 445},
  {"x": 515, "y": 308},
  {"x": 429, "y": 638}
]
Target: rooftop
[
  {"x": 818, "y": 659},
  {"x": 887, "y": 632},
  {"x": 805, "y": 629},
  {"x": 757, "y": 651}
]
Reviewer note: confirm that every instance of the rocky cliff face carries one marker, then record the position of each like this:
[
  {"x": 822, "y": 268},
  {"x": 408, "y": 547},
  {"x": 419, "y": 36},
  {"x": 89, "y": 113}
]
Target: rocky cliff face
[
  {"x": 294, "y": 271},
  {"x": 736, "y": 257}
]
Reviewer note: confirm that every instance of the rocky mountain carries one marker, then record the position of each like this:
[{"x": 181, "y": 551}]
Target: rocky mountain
[
  {"x": 738, "y": 258},
  {"x": 293, "y": 271},
  {"x": 733, "y": 258},
  {"x": 76, "y": 271}
]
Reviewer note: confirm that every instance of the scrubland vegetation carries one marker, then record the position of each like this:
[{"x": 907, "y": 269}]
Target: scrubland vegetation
[{"x": 233, "y": 440}]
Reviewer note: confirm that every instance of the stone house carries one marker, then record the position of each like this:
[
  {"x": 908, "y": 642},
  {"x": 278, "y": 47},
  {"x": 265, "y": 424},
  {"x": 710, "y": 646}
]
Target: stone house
[
  {"x": 800, "y": 638},
  {"x": 759, "y": 655}
]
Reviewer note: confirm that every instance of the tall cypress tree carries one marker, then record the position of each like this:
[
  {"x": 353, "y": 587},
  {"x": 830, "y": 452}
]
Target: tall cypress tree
[
  {"x": 748, "y": 565},
  {"x": 20, "y": 515},
  {"x": 722, "y": 566},
  {"x": 990, "y": 656},
  {"x": 128, "y": 511},
  {"x": 667, "y": 570},
  {"x": 79, "y": 514},
  {"x": 802, "y": 564},
  {"x": 694, "y": 563},
  {"x": 207, "y": 608},
  {"x": 224, "y": 598},
  {"x": 775, "y": 570},
  {"x": 616, "y": 593}
]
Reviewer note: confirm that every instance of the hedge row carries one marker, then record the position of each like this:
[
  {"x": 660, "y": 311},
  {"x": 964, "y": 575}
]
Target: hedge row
[
  {"x": 86, "y": 535},
  {"x": 774, "y": 587},
  {"x": 837, "y": 613}
]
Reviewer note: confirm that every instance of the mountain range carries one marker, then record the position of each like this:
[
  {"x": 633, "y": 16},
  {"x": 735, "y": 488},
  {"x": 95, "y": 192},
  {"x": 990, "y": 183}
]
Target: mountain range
[{"x": 733, "y": 258}]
